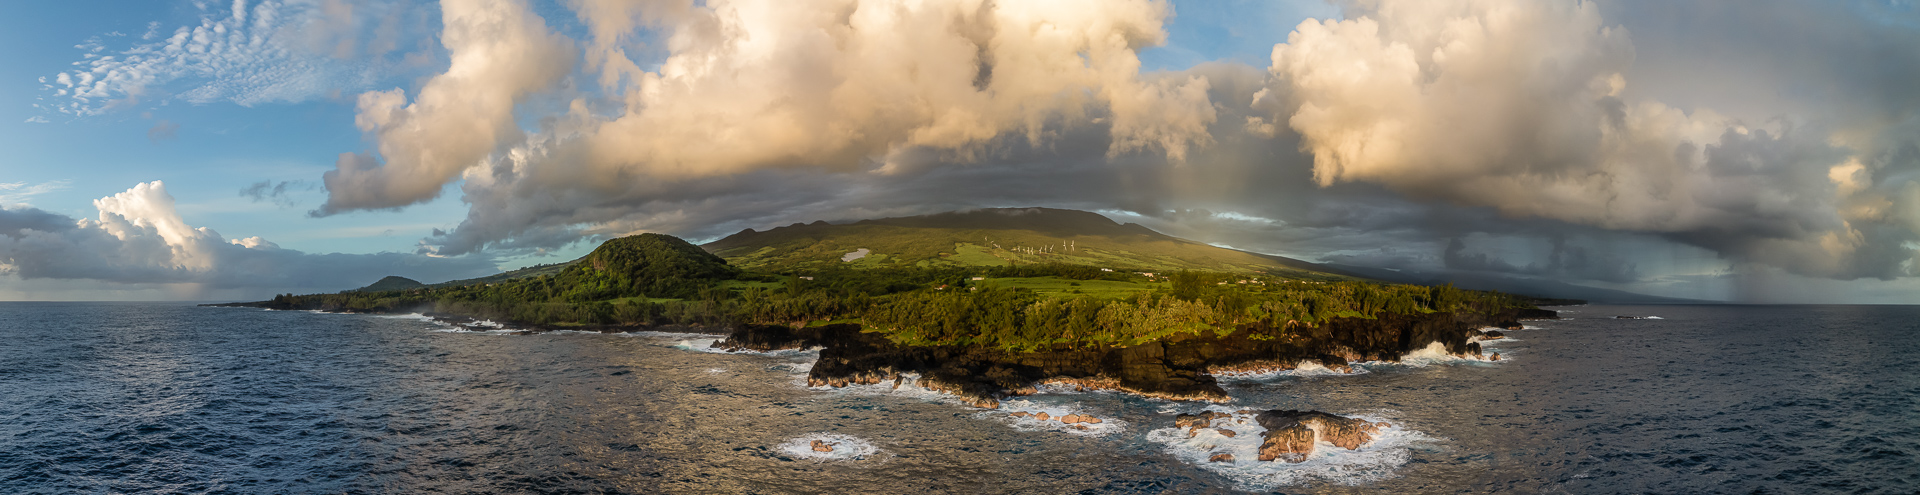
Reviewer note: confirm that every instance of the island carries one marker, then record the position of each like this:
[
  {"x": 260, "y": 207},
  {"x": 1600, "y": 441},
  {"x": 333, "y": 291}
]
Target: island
[{"x": 985, "y": 306}]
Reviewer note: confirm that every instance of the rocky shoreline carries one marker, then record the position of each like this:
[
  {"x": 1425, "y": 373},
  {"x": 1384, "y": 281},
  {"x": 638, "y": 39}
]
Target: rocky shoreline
[
  {"x": 469, "y": 323},
  {"x": 1288, "y": 436},
  {"x": 1180, "y": 368}
]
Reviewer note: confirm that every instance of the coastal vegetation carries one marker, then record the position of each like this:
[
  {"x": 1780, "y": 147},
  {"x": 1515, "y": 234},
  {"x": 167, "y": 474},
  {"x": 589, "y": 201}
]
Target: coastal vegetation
[{"x": 652, "y": 279}]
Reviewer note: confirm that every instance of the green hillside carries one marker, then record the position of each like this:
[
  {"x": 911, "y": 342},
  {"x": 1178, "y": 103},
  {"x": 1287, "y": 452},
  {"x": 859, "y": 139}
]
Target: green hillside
[
  {"x": 528, "y": 272},
  {"x": 392, "y": 283},
  {"x": 992, "y": 237},
  {"x": 645, "y": 265},
  {"x": 1010, "y": 295}
]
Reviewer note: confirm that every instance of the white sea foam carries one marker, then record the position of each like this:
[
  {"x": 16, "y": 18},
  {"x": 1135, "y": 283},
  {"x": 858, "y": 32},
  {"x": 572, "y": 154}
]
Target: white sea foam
[
  {"x": 572, "y": 332},
  {"x": 796, "y": 367},
  {"x": 1304, "y": 368},
  {"x": 1654, "y": 318},
  {"x": 1378, "y": 460},
  {"x": 704, "y": 343},
  {"x": 1432, "y": 354},
  {"x": 909, "y": 388},
  {"x": 1108, "y": 423},
  {"x": 698, "y": 344},
  {"x": 666, "y": 335},
  {"x": 408, "y": 316},
  {"x": 456, "y": 329},
  {"x": 845, "y": 447}
]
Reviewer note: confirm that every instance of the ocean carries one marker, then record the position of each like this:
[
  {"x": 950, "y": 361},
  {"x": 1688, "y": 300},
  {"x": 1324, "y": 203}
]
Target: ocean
[{"x": 173, "y": 398}]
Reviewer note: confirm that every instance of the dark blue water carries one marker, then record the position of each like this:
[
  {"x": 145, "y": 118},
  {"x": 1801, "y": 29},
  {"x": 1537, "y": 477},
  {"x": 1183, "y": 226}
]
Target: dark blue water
[{"x": 129, "y": 398}]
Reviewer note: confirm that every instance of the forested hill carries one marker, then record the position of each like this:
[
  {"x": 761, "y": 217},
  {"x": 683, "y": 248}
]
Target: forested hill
[
  {"x": 392, "y": 283},
  {"x": 645, "y": 265},
  {"x": 992, "y": 237}
]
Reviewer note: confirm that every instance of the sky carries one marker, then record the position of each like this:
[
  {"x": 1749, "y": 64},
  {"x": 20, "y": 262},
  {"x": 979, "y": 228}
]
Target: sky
[{"x": 1765, "y": 151}]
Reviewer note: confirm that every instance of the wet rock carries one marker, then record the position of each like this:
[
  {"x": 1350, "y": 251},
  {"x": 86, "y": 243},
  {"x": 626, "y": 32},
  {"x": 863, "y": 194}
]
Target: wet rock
[
  {"x": 1070, "y": 419},
  {"x": 1225, "y": 432},
  {"x": 823, "y": 446},
  {"x": 1344, "y": 432},
  {"x": 1020, "y": 414},
  {"x": 1201, "y": 420},
  {"x": 1290, "y": 435},
  {"x": 1042, "y": 416},
  {"x": 1492, "y": 334},
  {"x": 1221, "y": 457},
  {"x": 1495, "y": 357},
  {"x": 1090, "y": 420},
  {"x": 1196, "y": 422},
  {"x": 1291, "y": 443}
]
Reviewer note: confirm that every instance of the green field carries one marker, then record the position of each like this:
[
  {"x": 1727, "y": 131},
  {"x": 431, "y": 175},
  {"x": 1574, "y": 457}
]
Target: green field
[
  {"x": 1055, "y": 286},
  {"x": 983, "y": 238}
]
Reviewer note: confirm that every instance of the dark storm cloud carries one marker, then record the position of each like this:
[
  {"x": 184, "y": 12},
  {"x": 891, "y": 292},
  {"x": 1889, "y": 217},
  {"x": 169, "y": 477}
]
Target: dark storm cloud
[{"x": 1564, "y": 262}]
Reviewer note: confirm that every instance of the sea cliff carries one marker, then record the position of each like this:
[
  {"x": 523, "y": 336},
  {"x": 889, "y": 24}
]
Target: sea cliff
[{"x": 1177, "y": 368}]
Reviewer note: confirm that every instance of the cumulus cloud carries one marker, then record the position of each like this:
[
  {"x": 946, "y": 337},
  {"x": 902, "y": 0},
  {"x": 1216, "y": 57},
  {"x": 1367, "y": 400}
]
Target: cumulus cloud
[
  {"x": 248, "y": 53},
  {"x": 1519, "y": 106},
  {"x": 840, "y": 85},
  {"x": 139, "y": 238},
  {"x": 1405, "y": 123},
  {"x": 501, "y": 52}
]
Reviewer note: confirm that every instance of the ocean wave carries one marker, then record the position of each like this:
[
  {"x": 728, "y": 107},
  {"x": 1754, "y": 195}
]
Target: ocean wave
[
  {"x": 408, "y": 316},
  {"x": 699, "y": 342},
  {"x": 651, "y": 334},
  {"x": 1434, "y": 354},
  {"x": 1378, "y": 460},
  {"x": 1108, "y": 424},
  {"x": 845, "y": 447},
  {"x": 908, "y": 387},
  {"x": 1305, "y": 368},
  {"x": 698, "y": 345}
]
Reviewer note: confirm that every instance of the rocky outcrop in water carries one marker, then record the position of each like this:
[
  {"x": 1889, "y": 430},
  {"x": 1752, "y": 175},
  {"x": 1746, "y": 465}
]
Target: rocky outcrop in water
[
  {"x": 1177, "y": 368},
  {"x": 1291, "y": 435}
]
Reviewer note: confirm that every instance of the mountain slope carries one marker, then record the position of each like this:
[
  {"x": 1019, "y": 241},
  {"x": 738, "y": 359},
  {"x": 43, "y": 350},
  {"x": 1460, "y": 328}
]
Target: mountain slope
[
  {"x": 391, "y": 282},
  {"x": 991, "y": 237},
  {"x": 528, "y": 272}
]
